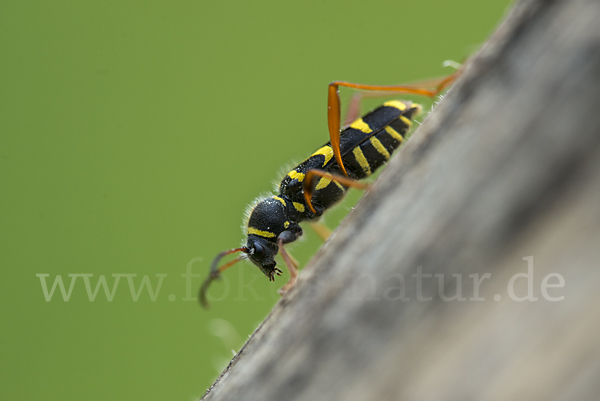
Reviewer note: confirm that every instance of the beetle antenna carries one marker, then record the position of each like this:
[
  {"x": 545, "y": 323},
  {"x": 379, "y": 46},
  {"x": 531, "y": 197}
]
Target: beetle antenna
[{"x": 215, "y": 272}]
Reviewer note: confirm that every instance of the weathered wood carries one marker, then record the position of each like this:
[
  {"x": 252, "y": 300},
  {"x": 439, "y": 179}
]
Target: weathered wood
[{"x": 507, "y": 167}]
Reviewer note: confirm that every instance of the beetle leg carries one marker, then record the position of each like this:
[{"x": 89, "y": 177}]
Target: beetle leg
[
  {"x": 428, "y": 89},
  {"x": 321, "y": 229},
  {"x": 292, "y": 265}
]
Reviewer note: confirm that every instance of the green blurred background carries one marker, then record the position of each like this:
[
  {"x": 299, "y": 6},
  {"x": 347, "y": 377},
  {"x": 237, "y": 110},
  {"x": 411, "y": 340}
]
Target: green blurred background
[{"x": 134, "y": 134}]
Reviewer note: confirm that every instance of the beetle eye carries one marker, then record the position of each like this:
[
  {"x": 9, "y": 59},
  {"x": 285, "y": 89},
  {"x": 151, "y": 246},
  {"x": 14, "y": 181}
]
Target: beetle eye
[{"x": 259, "y": 252}]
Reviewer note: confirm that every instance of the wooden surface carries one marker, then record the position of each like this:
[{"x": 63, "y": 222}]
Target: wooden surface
[{"x": 507, "y": 167}]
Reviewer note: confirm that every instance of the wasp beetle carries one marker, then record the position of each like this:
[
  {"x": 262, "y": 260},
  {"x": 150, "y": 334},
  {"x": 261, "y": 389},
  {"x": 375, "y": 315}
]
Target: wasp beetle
[{"x": 322, "y": 180}]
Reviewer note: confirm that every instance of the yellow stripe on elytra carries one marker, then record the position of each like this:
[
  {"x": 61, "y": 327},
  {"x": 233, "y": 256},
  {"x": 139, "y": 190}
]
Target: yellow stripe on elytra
[
  {"x": 362, "y": 160},
  {"x": 323, "y": 182},
  {"x": 326, "y": 151},
  {"x": 397, "y": 104},
  {"x": 380, "y": 148},
  {"x": 260, "y": 233},
  {"x": 406, "y": 121},
  {"x": 394, "y": 134},
  {"x": 361, "y": 126},
  {"x": 280, "y": 200},
  {"x": 294, "y": 175},
  {"x": 299, "y": 207}
]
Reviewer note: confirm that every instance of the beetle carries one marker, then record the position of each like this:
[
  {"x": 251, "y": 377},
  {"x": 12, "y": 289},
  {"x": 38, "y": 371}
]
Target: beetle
[{"x": 323, "y": 179}]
